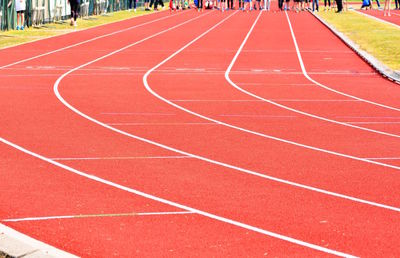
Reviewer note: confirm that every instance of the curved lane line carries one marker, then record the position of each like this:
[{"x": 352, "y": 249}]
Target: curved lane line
[
  {"x": 287, "y": 107},
  {"x": 255, "y": 133},
  {"x": 303, "y": 69},
  {"x": 177, "y": 205},
  {"x": 243, "y": 170}
]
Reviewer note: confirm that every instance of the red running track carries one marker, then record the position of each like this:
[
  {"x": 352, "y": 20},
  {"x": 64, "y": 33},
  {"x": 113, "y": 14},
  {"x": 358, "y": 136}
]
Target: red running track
[
  {"x": 393, "y": 18},
  {"x": 111, "y": 91}
]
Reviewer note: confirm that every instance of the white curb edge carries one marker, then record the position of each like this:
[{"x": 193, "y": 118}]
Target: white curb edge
[
  {"x": 372, "y": 61},
  {"x": 16, "y": 244}
]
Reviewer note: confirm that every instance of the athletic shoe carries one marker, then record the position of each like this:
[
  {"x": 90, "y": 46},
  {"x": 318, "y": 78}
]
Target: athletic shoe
[{"x": 17, "y": 27}]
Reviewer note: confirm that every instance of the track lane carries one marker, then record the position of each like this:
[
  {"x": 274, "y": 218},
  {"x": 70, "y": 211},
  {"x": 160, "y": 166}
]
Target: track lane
[
  {"x": 113, "y": 235},
  {"x": 164, "y": 129},
  {"x": 285, "y": 221},
  {"x": 69, "y": 146},
  {"x": 374, "y": 87},
  {"x": 275, "y": 89},
  {"x": 393, "y": 19}
]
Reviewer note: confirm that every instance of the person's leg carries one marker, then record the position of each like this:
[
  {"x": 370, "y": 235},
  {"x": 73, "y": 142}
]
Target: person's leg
[
  {"x": 22, "y": 20},
  {"x": 18, "y": 17},
  {"x": 384, "y": 8},
  {"x": 339, "y": 5}
]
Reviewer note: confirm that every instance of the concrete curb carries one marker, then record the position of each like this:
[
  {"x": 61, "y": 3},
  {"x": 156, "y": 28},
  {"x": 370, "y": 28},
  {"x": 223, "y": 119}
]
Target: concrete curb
[
  {"x": 16, "y": 244},
  {"x": 372, "y": 61}
]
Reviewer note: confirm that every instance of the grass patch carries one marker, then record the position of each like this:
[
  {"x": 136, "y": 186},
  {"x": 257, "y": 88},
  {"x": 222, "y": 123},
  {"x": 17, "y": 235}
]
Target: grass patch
[
  {"x": 378, "y": 39},
  {"x": 14, "y": 37}
]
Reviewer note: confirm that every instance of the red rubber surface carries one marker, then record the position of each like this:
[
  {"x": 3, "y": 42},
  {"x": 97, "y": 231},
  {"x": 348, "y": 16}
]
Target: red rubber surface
[
  {"x": 111, "y": 91},
  {"x": 393, "y": 18}
]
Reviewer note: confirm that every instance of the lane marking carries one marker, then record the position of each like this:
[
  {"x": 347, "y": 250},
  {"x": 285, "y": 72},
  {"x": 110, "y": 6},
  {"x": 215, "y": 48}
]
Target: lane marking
[
  {"x": 177, "y": 205},
  {"x": 259, "y": 100},
  {"x": 243, "y": 130},
  {"x": 215, "y": 100},
  {"x": 305, "y": 74},
  {"x": 377, "y": 117},
  {"x": 122, "y": 158},
  {"x": 84, "y": 216},
  {"x": 275, "y": 84},
  {"x": 304, "y": 71},
  {"x": 86, "y": 41},
  {"x": 315, "y": 100},
  {"x": 385, "y": 122},
  {"x": 201, "y": 123},
  {"x": 243, "y": 170},
  {"x": 138, "y": 113},
  {"x": 389, "y": 158},
  {"x": 260, "y": 116}
]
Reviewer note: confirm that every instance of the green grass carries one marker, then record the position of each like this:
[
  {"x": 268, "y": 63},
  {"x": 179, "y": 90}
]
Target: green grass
[
  {"x": 14, "y": 37},
  {"x": 378, "y": 39}
]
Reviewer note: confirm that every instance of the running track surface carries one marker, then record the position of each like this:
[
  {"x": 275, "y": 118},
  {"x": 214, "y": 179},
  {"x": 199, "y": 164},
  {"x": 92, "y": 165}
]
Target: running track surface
[
  {"x": 259, "y": 136},
  {"x": 393, "y": 18}
]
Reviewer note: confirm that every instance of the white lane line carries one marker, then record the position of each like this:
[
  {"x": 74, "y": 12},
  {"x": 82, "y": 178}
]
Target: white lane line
[
  {"x": 138, "y": 114},
  {"x": 367, "y": 123},
  {"x": 86, "y": 41},
  {"x": 228, "y": 71},
  {"x": 243, "y": 130},
  {"x": 258, "y": 100},
  {"x": 305, "y": 74},
  {"x": 180, "y": 206},
  {"x": 215, "y": 162},
  {"x": 215, "y": 100},
  {"x": 83, "y": 216},
  {"x": 274, "y": 84},
  {"x": 128, "y": 124},
  {"x": 367, "y": 117},
  {"x": 122, "y": 158},
  {"x": 389, "y": 158},
  {"x": 303, "y": 69},
  {"x": 259, "y": 116},
  {"x": 315, "y": 100},
  {"x": 377, "y": 19}
]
